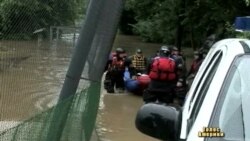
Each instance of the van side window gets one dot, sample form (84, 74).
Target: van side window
(203, 86)
(205, 72)
(231, 113)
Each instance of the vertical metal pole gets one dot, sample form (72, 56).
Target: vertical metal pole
(98, 56)
(81, 50)
(76, 67)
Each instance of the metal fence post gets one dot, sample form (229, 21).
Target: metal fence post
(76, 67)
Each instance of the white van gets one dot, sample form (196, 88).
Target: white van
(217, 106)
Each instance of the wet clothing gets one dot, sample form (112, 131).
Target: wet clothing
(117, 80)
(181, 90)
(160, 90)
(115, 72)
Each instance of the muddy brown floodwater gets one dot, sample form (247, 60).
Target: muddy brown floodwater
(116, 118)
(31, 78)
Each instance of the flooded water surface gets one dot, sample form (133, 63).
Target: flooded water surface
(116, 120)
(31, 78)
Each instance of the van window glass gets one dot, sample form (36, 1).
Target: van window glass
(231, 113)
(203, 75)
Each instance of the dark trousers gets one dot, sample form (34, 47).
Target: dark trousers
(162, 92)
(107, 82)
(117, 80)
(180, 94)
(161, 97)
(114, 79)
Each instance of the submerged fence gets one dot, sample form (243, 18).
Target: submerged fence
(33, 71)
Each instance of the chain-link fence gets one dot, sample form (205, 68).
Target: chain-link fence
(64, 34)
(39, 40)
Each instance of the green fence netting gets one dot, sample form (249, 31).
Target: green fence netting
(79, 124)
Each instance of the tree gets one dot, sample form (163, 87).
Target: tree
(194, 20)
(156, 20)
(19, 19)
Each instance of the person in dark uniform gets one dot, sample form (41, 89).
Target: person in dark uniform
(181, 86)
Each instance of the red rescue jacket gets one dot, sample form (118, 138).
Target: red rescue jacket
(163, 69)
(117, 64)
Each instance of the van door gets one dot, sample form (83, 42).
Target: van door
(231, 112)
(199, 89)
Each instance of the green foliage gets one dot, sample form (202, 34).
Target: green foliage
(245, 34)
(158, 21)
(247, 2)
(152, 23)
(20, 18)
(126, 21)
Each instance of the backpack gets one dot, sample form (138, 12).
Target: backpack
(163, 69)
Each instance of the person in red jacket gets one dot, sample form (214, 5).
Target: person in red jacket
(162, 72)
(115, 71)
(198, 59)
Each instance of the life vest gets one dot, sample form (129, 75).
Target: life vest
(117, 64)
(163, 69)
(139, 62)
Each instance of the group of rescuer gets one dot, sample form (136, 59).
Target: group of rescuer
(169, 79)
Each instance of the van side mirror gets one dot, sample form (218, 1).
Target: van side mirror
(159, 121)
